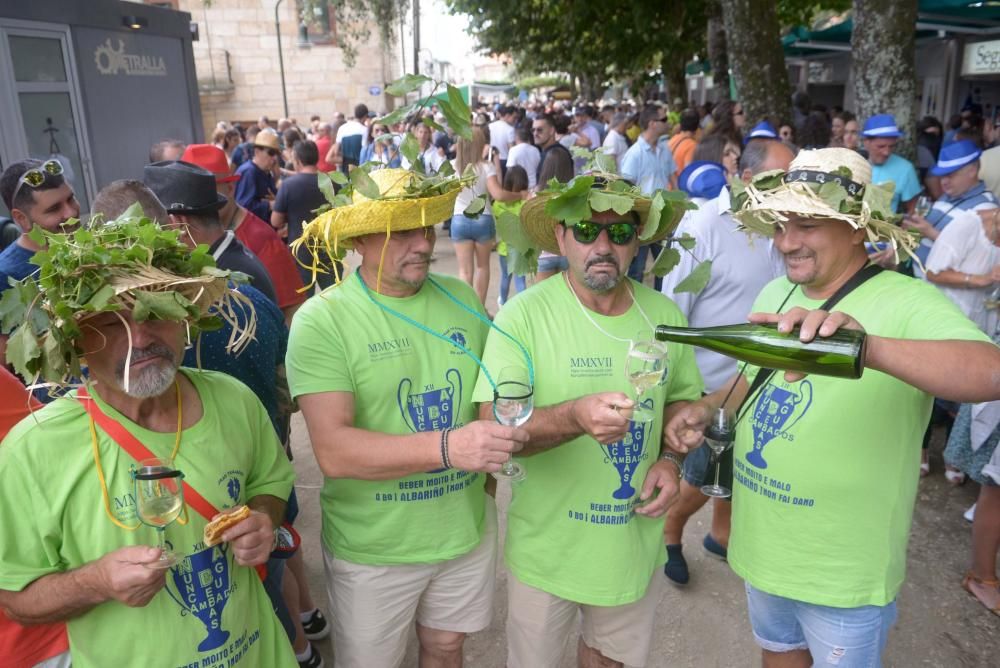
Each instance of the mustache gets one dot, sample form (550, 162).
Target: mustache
(419, 258)
(607, 258)
(149, 352)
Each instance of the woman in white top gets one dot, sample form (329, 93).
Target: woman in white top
(474, 237)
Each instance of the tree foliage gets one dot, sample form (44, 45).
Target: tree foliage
(598, 43)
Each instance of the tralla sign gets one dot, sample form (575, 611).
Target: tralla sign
(112, 60)
(981, 58)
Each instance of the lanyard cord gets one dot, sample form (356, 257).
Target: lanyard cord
(583, 310)
(100, 471)
(428, 330)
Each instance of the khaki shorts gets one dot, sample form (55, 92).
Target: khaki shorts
(373, 607)
(539, 624)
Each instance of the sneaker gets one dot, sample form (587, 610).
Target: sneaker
(316, 626)
(970, 514)
(314, 660)
(676, 568)
(714, 548)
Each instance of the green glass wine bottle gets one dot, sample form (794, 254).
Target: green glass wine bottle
(841, 355)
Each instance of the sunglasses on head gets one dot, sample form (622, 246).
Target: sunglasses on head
(36, 176)
(620, 234)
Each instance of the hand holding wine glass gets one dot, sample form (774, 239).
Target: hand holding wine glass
(159, 499)
(513, 403)
(923, 206)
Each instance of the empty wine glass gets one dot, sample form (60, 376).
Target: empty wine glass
(645, 368)
(513, 403)
(923, 206)
(719, 436)
(159, 499)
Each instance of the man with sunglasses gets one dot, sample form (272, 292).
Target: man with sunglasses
(584, 526)
(256, 189)
(35, 193)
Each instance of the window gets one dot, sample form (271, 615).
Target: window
(319, 20)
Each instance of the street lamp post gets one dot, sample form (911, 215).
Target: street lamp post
(281, 58)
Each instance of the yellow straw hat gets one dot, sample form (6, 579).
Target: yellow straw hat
(397, 210)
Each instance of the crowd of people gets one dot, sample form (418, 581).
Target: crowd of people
(400, 375)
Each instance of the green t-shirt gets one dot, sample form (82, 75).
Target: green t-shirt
(826, 469)
(212, 612)
(404, 380)
(571, 527)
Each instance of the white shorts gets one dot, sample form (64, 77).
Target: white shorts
(539, 624)
(374, 607)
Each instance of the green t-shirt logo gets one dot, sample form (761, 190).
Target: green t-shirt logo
(774, 414)
(433, 409)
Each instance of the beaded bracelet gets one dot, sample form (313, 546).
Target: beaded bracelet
(445, 461)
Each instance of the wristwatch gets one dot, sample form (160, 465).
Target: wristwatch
(668, 456)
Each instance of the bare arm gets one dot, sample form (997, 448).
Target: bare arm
(974, 366)
(685, 425)
(278, 219)
(959, 279)
(119, 576)
(497, 192)
(603, 416)
(345, 451)
(333, 155)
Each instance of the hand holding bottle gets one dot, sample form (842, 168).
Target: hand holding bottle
(811, 323)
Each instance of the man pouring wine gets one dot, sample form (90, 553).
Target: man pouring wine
(825, 468)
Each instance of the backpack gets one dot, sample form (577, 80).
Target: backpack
(9, 232)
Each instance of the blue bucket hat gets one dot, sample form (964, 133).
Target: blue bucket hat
(954, 156)
(702, 178)
(881, 125)
(762, 130)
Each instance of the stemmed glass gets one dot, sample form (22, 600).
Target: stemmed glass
(719, 436)
(923, 206)
(992, 301)
(645, 368)
(159, 499)
(513, 403)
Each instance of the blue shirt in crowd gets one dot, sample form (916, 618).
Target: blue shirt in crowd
(253, 189)
(15, 264)
(901, 172)
(647, 166)
(945, 209)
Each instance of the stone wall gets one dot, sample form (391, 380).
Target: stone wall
(236, 57)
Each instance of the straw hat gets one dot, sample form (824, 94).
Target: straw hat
(539, 223)
(265, 139)
(167, 281)
(827, 183)
(395, 211)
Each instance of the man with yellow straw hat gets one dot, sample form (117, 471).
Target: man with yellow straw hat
(76, 481)
(383, 366)
(825, 468)
(585, 526)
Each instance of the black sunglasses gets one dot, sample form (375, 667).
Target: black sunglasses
(620, 234)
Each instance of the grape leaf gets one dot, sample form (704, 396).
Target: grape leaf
(475, 207)
(510, 230)
(697, 279)
(159, 306)
(364, 184)
(603, 201)
(23, 350)
(431, 123)
(665, 263)
(410, 148)
(573, 204)
(326, 186)
(685, 241)
(398, 115)
(653, 218)
(406, 84)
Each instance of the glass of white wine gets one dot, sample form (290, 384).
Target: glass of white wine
(719, 436)
(513, 403)
(159, 499)
(923, 206)
(645, 368)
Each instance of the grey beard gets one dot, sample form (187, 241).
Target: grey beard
(151, 381)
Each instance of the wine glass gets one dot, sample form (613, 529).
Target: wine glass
(719, 436)
(992, 301)
(923, 206)
(159, 499)
(513, 402)
(645, 368)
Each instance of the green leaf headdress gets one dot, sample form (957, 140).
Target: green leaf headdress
(127, 264)
(827, 183)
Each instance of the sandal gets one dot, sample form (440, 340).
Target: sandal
(955, 477)
(969, 578)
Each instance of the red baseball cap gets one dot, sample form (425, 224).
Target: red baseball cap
(212, 158)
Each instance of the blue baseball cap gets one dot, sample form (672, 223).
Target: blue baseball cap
(702, 178)
(954, 156)
(881, 125)
(762, 130)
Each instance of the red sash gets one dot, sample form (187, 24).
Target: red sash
(130, 444)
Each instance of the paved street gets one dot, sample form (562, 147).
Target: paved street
(705, 624)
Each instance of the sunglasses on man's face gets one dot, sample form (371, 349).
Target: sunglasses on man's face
(36, 176)
(271, 152)
(620, 234)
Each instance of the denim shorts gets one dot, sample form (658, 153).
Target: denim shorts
(841, 637)
(553, 263)
(480, 229)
